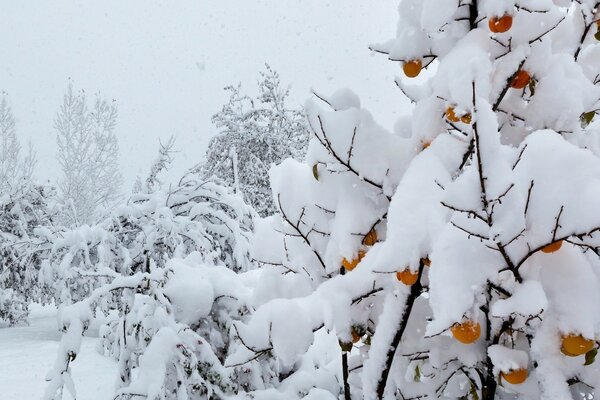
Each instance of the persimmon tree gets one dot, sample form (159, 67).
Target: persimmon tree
(332, 215)
(486, 282)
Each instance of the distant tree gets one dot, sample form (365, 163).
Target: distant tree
(14, 169)
(255, 133)
(88, 155)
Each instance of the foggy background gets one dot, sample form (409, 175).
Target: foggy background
(166, 63)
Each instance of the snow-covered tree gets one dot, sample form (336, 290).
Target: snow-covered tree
(255, 133)
(170, 333)
(486, 283)
(14, 168)
(26, 215)
(88, 155)
(332, 212)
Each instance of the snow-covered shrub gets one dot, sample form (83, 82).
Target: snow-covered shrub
(168, 321)
(196, 216)
(25, 217)
(491, 227)
(255, 133)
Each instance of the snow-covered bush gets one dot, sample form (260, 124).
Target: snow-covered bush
(255, 133)
(25, 218)
(167, 321)
(196, 216)
(488, 213)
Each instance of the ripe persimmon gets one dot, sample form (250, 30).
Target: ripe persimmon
(466, 119)
(515, 376)
(451, 115)
(412, 68)
(500, 24)
(350, 265)
(370, 238)
(466, 332)
(574, 345)
(552, 247)
(520, 80)
(407, 277)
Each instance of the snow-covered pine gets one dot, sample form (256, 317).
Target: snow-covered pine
(495, 188)
(255, 133)
(167, 320)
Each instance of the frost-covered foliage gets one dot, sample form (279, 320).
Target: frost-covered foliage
(160, 165)
(167, 320)
(486, 282)
(15, 169)
(25, 218)
(255, 133)
(88, 154)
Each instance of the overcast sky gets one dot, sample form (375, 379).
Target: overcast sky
(166, 62)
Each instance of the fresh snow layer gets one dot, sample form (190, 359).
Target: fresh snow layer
(27, 354)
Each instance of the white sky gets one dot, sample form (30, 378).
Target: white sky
(166, 62)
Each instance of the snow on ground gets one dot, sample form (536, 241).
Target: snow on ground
(27, 353)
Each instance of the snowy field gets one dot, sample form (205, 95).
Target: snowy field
(27, 354)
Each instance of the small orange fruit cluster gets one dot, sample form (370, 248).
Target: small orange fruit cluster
(452, 117)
